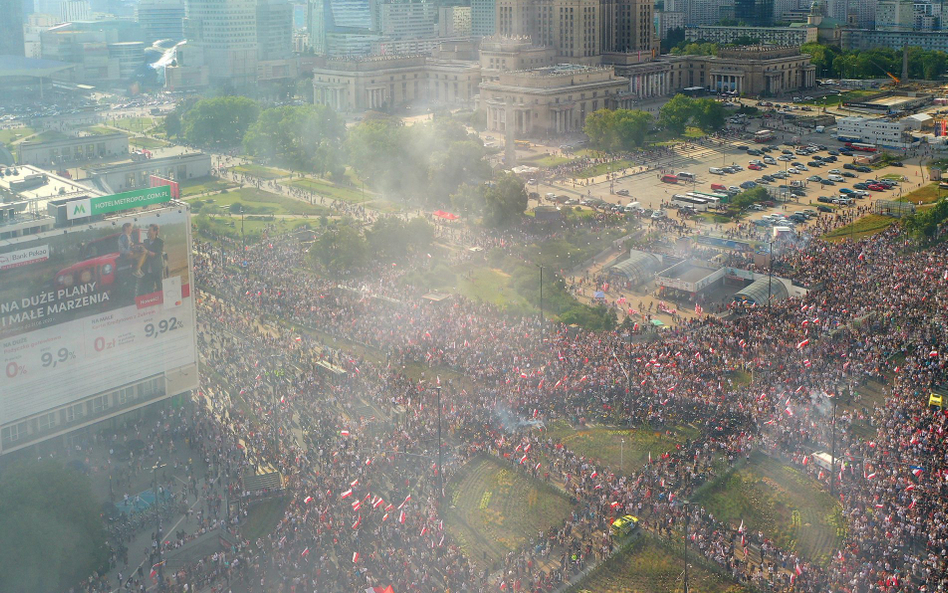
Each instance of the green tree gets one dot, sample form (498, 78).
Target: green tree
(219, 121)
(341, 249)
(821, 56)
(708, 114)
(51, 533)
(600, 128)
(676, 113)
(672, 38)
(632, 126)
(303, 137)
(172, 124)
(505, 200)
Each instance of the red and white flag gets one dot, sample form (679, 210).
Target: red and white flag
(355, 557)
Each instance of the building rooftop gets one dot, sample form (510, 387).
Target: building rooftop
(54, 188)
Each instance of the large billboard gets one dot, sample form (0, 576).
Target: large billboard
(91, 308)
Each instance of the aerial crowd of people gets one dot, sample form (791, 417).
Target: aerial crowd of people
(317, 379)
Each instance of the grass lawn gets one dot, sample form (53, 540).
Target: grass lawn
(495, 509)
(866, 226)
(648, 567)
(261, 172)
(490, 285)
(262, 518)
(253, 229)
(193, 187)
(547, 160)
(135, 124)
(147, 143)
(604, 444)
(927, 194)
(603, 168)
(782, 502)
(99, 131)
(8, 137)
(49, 136)
(892, 176)
(335, 192)
(256, 201)
(833, 100)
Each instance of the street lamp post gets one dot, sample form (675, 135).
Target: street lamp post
(622, 454)
(833, 453)
(541, 293)
(686, 506)
(440, 452)
(158, 535)
(770, 277)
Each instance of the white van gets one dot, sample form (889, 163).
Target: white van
(633, 207)
(716, 170)
(836, 178)
(687, 176)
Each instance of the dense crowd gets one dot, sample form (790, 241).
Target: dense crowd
(356, 435)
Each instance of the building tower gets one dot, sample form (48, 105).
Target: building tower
(11, 28)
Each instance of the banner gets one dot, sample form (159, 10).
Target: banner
(87, 207)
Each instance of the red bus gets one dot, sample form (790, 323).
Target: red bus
(861, 147)
(670, 178)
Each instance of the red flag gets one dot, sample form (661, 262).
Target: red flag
(355, 557)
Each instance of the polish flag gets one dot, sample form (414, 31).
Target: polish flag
(742, 344)
(424, 530)
(354, 483)
(613, 504)
(357, 505)
(870, 476)
(806, 363)
(912, 504)
(357, 523)
(385, 517)
(917, 471)
(378, 503)
(594, 474)
(910, 487)
(305, 553)
(347, 494)
(523, 460)
(355, 557)
(789, 411)
(806, 460)
(401, 517)
(308, 500)
(933, 353)
(797, 569)
(344, 433)
(404, 502)
(537, 468)
(803, 344)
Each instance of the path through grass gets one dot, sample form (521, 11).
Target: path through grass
(866, 226)
(648, 567)
(495, 509)
(787, 505)
(604, 445)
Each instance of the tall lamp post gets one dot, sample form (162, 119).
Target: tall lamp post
(440, 451)
(541, 292)
(687, 506)
(158, 535)
(833, 449)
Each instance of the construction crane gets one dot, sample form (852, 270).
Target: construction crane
(894, 78)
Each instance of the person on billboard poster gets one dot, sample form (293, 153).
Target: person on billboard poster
(152, 268)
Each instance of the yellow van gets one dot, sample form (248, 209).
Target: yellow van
(624, 526)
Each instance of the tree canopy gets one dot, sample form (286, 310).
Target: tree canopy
(221, 120)
(832, 62)
(707, 114)
(424, 163)
(305, 137)
(51, 533)
(505, 200)
(619, 129)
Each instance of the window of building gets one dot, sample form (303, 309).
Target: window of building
(14, 433)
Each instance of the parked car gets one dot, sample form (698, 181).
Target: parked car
(816, 178)
(850, 166)
(823, 208)
(622, 192)
(864, 169)
(827, 182)
(848, 174)
(748, 185)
